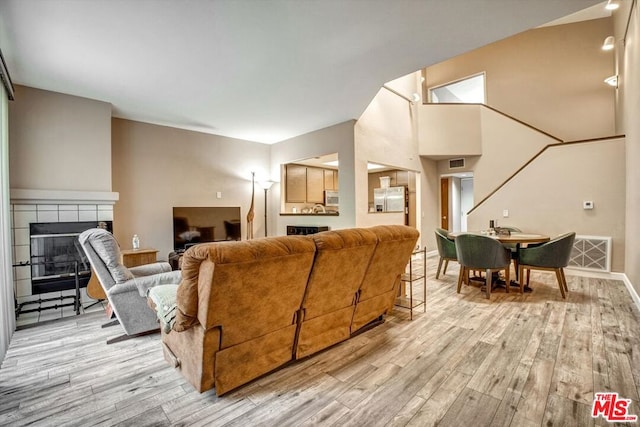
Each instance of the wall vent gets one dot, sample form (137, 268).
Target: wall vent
(591, 253)
(456, 163)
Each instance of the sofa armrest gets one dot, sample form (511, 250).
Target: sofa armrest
(163, 300)
(149, 269)
(142, 284)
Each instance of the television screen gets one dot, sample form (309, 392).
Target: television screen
(193, 225)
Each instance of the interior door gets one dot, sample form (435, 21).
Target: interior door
(444, 203)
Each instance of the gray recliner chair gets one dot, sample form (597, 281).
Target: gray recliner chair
(126, 288)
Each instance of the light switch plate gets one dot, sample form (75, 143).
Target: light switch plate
(587, 204)
(505, 213)
(219, 195)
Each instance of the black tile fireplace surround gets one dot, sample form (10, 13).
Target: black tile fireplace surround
(54, 253)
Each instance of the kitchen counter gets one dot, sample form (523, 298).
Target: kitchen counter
(309, 214)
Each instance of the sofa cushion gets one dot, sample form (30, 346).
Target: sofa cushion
(250, 287)
(108, 250)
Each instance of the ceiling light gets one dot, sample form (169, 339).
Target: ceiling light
(373, 166)
(612, 81)
(609, 43)
(612, 5)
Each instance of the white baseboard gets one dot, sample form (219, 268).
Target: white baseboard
(631, 289)
(612, 276)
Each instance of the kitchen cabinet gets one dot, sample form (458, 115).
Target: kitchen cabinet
(330, 179)
(296, 181)
(306, 184)
(402, 178)
(315, 185)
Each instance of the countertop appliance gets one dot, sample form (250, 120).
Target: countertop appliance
(305, 229)
(331, 198)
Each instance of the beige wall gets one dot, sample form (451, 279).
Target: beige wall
(547, 196)
(630, 86)
(449, 130)
(386, 133)
(156, 168)
(59, 142)
(505, 144)
(550, 77)
(430, 215)
(333, 139)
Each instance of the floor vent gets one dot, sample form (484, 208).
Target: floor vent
(591, 253)
(456, 163)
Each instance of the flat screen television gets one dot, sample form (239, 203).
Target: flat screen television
(193, 225)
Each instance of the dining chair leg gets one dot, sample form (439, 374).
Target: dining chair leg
(560, 284)
(564, 280)
(460, 277)
(507, 277)
(521, 274)
(439, 267)
(446, 264)
(488, 283)
(528, 275)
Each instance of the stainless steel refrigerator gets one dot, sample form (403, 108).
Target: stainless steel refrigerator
(391, 199)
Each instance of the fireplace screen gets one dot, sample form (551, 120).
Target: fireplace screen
(56, 253)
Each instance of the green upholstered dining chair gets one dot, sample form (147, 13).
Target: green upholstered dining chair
(477, 252)
(553, 255)
(446, 250)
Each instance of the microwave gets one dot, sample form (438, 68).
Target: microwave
(331, 198)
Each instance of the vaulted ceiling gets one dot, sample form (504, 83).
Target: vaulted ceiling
(260, 70)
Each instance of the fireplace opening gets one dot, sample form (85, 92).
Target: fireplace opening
(56, 255)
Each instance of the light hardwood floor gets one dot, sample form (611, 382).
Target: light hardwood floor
(532, 360)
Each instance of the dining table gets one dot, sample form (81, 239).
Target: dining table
(512, 238)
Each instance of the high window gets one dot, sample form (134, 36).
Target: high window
(470, 90)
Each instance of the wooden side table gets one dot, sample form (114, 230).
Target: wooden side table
(135, 257)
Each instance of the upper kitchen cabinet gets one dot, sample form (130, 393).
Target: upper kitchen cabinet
(306, 184)
(315, 185)
(296, 183)
(330, 179)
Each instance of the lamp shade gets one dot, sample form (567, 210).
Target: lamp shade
(609, 43)
(266, 184)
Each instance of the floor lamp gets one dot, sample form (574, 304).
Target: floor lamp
(266, 185)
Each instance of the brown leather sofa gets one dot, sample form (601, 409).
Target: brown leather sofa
(246, 308)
